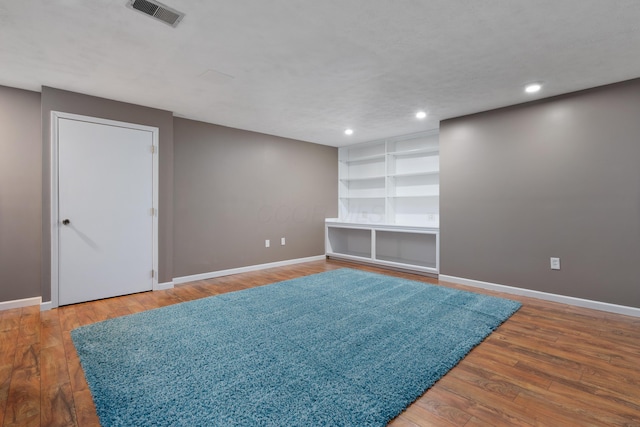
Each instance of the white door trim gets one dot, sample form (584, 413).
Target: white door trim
(55, 188)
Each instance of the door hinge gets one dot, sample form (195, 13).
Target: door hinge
(153, 211)
(153, 149)
(153, 273)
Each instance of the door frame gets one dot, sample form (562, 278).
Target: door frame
(55, 191)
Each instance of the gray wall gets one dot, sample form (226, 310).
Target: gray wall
(20, 194)
(70, 102)
(559, 177)
(234, 189)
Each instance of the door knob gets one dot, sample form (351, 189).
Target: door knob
(66, 221)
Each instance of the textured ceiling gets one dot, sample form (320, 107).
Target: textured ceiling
(309, 69)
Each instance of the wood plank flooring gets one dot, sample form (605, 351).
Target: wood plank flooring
(548, 365)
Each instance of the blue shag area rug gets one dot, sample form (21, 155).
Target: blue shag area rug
(341, 348)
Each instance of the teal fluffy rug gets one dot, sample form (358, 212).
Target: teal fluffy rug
(341, 348)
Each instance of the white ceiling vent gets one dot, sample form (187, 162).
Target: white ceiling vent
(157, 10)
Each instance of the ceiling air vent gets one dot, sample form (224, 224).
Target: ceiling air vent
(157, 10)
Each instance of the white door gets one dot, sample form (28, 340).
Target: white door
(105, 200)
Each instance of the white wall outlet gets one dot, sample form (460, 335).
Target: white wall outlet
(555, 263)
(282, 241)
(267, 243)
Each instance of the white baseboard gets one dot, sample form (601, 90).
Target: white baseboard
(18, 303)
(211, 275)
(7, 305)
(579, 302)
(163, 286)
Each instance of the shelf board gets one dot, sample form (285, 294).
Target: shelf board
(353, 254)
(366, 158)
(368, 178)
(380, 226)
(417, 196)
(362, 197)
(408, 175)
(414, 152)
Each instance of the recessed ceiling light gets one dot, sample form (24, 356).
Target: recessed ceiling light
(348, 132)
(533, 88)
(421, 114)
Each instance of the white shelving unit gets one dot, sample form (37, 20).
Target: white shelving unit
(412, 248)
(362, 174)
(394, 182)
(389, 203)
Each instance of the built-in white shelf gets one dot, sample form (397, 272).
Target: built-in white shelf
(362, 197)
(395, 181)
(389, 203)
(413, 197)
(405, 175)
(369, 178)
(397, 246)
(421, 151)
(365, 158)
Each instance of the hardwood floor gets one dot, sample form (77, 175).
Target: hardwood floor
(548, 365)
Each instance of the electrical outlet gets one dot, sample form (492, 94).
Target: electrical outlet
(267, 243)
(282, 241)
(555, 263)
